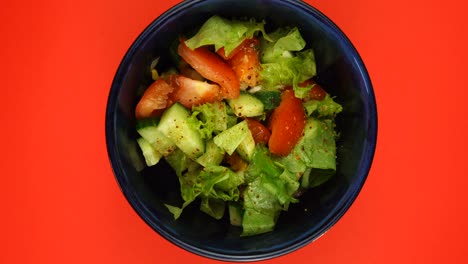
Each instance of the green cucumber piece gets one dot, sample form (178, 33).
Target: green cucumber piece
(246, 105)
(148, 129)
(175, 125)
(270, 99)
(152, 156)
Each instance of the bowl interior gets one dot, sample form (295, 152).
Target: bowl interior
(340, 71)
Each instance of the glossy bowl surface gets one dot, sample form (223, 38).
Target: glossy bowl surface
(340, 70)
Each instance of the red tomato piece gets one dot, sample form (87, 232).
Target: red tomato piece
(316, 92)
(213, 68)
(246, 63)
(154, 99)
(260, 133)
(187, 71)
(191, 92)
(287, 124)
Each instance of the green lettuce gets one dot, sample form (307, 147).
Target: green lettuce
(261, 209)
(285, 62)
(316, 177)
(226, 33)
(317, 147)
(283, 42)
(213, 207)
(323, 108)
(290, 71)
(178, 161)
(209, 118)
(214, 184)
(270, 190)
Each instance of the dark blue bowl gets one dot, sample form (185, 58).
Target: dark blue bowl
(340, 70)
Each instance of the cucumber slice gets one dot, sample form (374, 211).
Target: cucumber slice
(175, 125)
(270, 99)
(148, 129)
(246, 105)
(152, 156)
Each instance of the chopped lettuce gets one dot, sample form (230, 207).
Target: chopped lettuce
(213, 155)
(315, 177)
(209, 118)
(178, 161)
(261, 164)
(261, 209)
(213, 207)
(270, 189)
(285, 62)
(220, 182)
(323, 108)
(317, 149)
(216, 183)
(222, 32)
(290, 71)
(284, 41)
(232, 137)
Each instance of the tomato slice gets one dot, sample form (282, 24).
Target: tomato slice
(316, 93)
(187, 71)
(154, 99)
(287, 124)
(213, 68)
(260, 133)
(191, 92)
(245, 62)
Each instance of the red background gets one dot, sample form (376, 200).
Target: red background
(61, 204)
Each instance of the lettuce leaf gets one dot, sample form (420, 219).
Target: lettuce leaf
(261, 209)
(220, 182)
(209, 118)
(213, 207)
(323, 108)
(214, 184)
(317, 147)
(270, 190)
(226, 33)
(285, 62)
(284, 41)
(290, 71)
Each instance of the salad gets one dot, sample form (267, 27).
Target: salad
(241, 121)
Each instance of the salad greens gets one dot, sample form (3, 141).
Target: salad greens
(224, 33)
(259, 185)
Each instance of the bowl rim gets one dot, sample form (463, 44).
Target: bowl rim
(331, 220)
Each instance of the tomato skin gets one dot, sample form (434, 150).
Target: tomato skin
(154, 99)
(190, 92)
(260, 133)
(213, 68)
(187, 71)
(316, 93)
(287, 124)
(245, 62)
